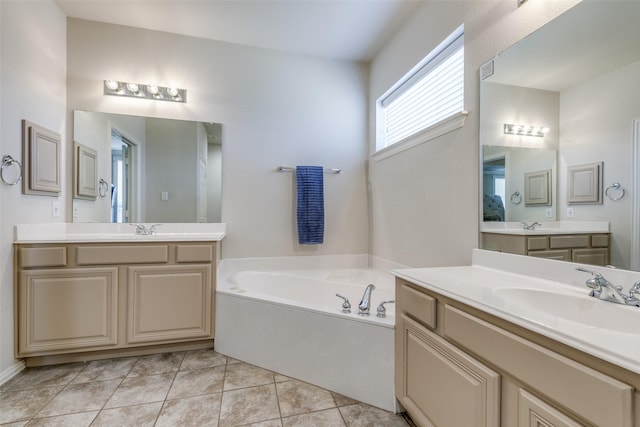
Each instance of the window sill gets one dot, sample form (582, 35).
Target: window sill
(453, 122)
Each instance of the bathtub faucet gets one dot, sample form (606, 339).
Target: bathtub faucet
(365, 303)
(346, 305)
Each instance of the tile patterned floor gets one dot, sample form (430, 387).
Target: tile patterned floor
(195, 388)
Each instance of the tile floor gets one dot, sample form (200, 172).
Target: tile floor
(193, 388)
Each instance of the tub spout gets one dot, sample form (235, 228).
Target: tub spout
(365, 303)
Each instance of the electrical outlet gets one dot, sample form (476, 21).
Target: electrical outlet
(570, 213)
(55, 209)
(164, 195)
(75, 211)
(548, 213)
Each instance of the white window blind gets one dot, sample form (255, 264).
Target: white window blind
(430, 94)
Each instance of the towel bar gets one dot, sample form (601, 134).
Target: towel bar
(291, 169)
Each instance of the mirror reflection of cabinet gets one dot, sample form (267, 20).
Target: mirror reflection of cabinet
(85, 172)
(579, 80)
(593, 248)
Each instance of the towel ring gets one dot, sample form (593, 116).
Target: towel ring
(615, 191)
(516, 198)
(103, 187)
(7, 161)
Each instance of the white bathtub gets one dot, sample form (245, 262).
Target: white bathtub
(282, 314)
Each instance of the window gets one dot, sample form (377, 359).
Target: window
(425, 103)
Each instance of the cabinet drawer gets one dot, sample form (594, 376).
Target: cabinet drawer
(194, 253)
(417, 304)
(541, 368)
(561, 242)
(121, 254)
(600, 241)
(561, 254)
(42, 257)
(537, 243)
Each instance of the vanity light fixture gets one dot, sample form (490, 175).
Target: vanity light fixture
(525, 130)
(145, 91)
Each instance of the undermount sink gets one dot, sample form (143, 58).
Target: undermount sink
(547, 307)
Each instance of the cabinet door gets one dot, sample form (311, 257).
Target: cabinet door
(595, 256)
(67, 309)
(533, 412)
(169, 303)
(440, 385)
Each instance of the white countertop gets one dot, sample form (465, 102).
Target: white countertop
(104, 232)
(546, 227)
(564, 311)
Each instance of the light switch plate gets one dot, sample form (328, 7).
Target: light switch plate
(55, 209)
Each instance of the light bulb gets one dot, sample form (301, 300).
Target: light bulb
(133, 87)
(173, 92)
(112, 84)
(153, 89)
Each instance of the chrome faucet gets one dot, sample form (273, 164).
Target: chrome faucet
(531, 226)
(604, 290)
(365, 303)
(143, 230)
(346, 305)
(382, 310)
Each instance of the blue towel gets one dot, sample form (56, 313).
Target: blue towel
(310, 182)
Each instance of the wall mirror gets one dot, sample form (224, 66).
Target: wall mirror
(151, 169)
(577, 78)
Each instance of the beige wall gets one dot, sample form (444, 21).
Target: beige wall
(275, 108)
(602, 131)
(424, 201)
(33, 86)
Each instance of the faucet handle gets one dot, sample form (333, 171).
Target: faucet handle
(152, 228)
(595, 274)
(140, 228)
(634, 292)
(382, 310)
(584, 270)
(346, 305)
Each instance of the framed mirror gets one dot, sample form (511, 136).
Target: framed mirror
(153, 169)
(576, 78)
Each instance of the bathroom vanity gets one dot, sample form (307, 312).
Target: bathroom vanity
(587, 244)
(488, 345)
(80, 295)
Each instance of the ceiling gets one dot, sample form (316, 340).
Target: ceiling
(571, 49)
(351, 30)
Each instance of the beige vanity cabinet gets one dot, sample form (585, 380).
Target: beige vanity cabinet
(102, 297)
(588, 248)
(459, 366)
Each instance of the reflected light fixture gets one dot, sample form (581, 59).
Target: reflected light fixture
(525, 130)
(145, 91)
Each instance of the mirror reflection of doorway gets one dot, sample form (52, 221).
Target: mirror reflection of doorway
(120, 178)
(494, 189)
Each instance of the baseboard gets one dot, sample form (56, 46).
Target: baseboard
(11, 371)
